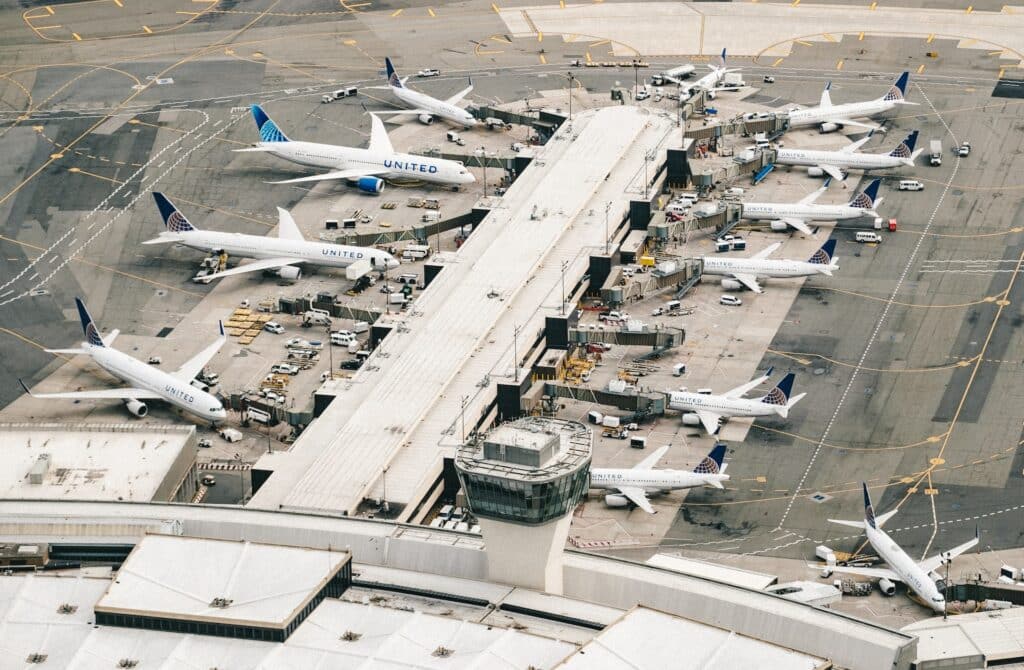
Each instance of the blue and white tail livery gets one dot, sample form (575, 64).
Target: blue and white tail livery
(898, 90)
(905, 148)
(269, 132)
(823, 256)
(92, 334)
(712, 463)
(393, 78)
(780, 394)
(868, 198)
(174, 220)
(869, 509)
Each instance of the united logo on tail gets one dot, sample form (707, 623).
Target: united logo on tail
(92, 335)
(780, 394)
(712, 463)
(866, 199)
(393, 78)
(897, 90)
(177, 223)
(823, 256)
(869, 509)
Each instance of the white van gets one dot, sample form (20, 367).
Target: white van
(679, 208)
(259, 415)
(910, 185)
(343, 338)
(431, 217)
(868, 236)
(415, 252)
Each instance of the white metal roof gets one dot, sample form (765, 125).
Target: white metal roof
(383, 637)
(708, 570)
(179, 577)
(646, 639)
(89, 462)
(458, 338)
(997, 635)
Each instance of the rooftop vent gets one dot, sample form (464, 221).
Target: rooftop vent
(67, 608)
(36, 658)
(221, 602)
(127, 663)
(39, 469)
(350, 636)
(443, 652)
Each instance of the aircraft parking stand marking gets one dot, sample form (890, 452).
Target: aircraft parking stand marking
(878, 326)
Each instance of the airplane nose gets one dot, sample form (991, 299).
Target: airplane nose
(392, 263)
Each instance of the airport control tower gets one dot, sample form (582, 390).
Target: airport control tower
(522, 481)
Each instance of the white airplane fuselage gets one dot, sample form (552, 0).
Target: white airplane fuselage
(909, 572)
(399, 166)
(759, 267)
(137, 374)
(840, 159)
(851, 110)
(651, 481)
(685, 401)
(439, 108)
(709, 81)
(254, 246)
(772, 211)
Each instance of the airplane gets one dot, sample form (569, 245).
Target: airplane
(797, 214)
(281, 253)
(362, 167)
(738, 273)
(710, 82)
(145, 381)
(829, 117)
(425, 107)
(708, 409)
(833, 163)
(634, 484)
(919, 576)
(674, 75)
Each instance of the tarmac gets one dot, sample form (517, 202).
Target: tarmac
(911, 355)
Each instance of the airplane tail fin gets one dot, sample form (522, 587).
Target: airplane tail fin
(174, 220)
(868, 198)
(712, 463)
(393, 78)
(898, 90)
(905, 148)
(869, 509)
(269, 131)
(826, 98)
(92, 333)
(779, 396)
(823, 256)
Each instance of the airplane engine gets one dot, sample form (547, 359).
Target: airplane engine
(886, 587)
(690, 419)
(711, 95)
(829, 127)
(731, 285)
(370, 184)
(616, 500)
(426, 119)
(815, 172)
(290, 273)
(779, 226)
(137, 408)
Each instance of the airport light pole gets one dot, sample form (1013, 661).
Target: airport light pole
(515, 351)
(571, 80)
(482, 161)
(607, 208)
(636, 77)
(330, 350)
(462, 415)
(565, 265)
(945, 589)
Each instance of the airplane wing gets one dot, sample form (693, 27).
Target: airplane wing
(799, 224)
(750, 281)
(832, 171)
(935, 561)
(742, 389)
(286, 226)
(262, 264)
(637, 497)
(652, 460)
(877, 573)
(853, 146)
(767, 251)
(101, 394)
(457, 98)
(710, 421)
(337, 174)
(379, 140)
(194, 365)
